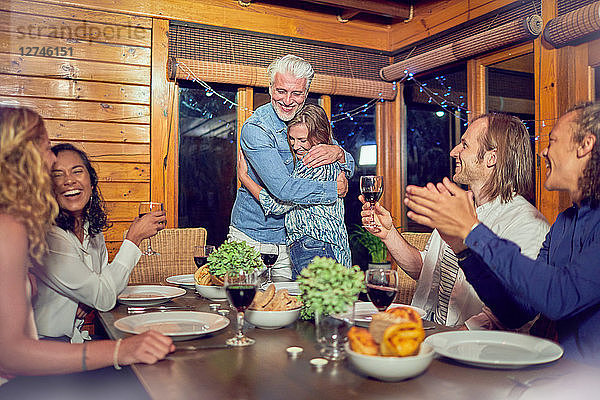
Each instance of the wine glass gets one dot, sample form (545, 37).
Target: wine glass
(145, 208)
(240, 287)
(382, 286)
(371, 187)
(269, 255)
(201, 254)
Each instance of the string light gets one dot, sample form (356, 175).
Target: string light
(209, 91)
(443, 101)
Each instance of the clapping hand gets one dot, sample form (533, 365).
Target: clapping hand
(445, 207)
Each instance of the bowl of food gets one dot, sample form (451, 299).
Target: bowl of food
(205, 286)
(387, 368)
(273, 309)
(392, 348)
(215, 293)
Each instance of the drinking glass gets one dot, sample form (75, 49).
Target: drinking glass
(371, 187)
(269, 255)
(201, 253)
(145, 208)
(382, 286)
(240, 287)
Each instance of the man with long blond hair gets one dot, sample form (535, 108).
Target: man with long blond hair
(563, 282)
(494, 159)
(27, 211)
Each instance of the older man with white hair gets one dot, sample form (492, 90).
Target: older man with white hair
(265, 146)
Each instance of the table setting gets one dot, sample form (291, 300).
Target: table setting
(245, 329)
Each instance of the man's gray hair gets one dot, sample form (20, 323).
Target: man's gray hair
(298, 67)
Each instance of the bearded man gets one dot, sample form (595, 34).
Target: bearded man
(494, 159)
(264, 144)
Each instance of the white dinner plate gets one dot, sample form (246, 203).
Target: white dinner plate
(363, 310)
(494, 349)
(149, 295)
(179, 325)
(187, 280)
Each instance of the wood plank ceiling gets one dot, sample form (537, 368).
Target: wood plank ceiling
(380, 11)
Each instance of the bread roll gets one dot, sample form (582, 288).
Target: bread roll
(362, 342)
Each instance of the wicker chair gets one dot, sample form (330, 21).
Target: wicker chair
(176, 248)
(406, 284)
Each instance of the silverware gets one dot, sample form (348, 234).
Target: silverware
(136, 310)
(203, 347)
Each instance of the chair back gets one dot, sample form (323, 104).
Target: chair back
(406, 284)
(176, 248)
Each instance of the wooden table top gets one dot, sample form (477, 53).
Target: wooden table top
(264, 371)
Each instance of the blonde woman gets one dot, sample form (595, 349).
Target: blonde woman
(27, 210)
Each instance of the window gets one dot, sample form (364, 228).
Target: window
(354, 129)
(436, 119)
(207, 150)
(510, 89)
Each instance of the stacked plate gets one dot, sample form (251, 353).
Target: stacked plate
(148, 295)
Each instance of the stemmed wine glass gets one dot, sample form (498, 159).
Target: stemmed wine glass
(145, 208)
(269, 255)
(371, 187)
(201, 254)
(240, 287)
(382, 286)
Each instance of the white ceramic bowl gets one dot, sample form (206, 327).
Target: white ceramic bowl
(392, 368)
(271, 319)
(216, 293)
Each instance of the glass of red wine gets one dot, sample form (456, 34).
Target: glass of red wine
(240, 287)
(269, 255)
(371, 187)
(201, 254)
(382, 286)
(145, 208)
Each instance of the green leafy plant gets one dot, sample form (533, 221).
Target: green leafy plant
(328, 287)
(233, 256)
(372, 243)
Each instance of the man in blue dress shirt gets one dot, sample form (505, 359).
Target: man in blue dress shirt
(265, 146)
(563, 283)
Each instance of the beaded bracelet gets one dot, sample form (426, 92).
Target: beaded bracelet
(83, 354)
(116, 355)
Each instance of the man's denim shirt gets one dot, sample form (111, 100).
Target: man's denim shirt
(264, 142)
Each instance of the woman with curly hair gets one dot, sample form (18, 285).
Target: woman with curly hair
(76, 276)
(27, 210)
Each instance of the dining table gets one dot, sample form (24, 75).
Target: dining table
(265, 370)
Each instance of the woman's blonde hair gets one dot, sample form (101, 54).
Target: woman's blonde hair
(25, 186)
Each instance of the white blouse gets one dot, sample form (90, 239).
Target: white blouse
(75, 272)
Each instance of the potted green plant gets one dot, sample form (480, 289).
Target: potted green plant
(328, 291)
(232, 256)
(374, 245)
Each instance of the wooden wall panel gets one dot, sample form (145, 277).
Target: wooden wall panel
(12, 42)
(123, 171)
(73, 69)
(40, 24)
(105, 131)
(95, 95)
(259, 17)
(86, 110)
(52, 88)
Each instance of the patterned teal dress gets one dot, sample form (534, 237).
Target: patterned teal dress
(323, 222)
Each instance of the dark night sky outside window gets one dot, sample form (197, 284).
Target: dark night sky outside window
(351, 134)
(207, 152)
